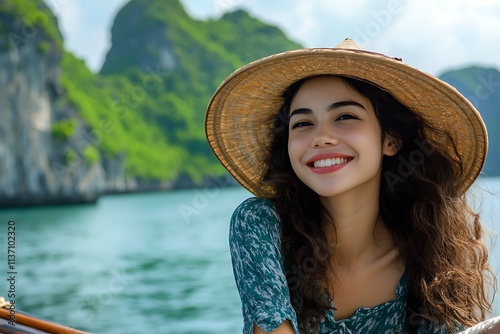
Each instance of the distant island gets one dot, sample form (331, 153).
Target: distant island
(69, 135)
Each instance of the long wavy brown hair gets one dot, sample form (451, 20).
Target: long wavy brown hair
(437, 231)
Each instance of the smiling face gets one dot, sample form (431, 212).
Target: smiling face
(335, 142)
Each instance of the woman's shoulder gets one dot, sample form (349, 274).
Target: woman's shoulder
(255, 215)
(255, 208)
(256, 202)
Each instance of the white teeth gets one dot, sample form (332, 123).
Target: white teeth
(329, 162)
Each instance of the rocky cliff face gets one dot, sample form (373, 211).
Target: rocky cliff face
(34, 168)
(68, 135)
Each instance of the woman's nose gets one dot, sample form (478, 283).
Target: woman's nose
(324, 136)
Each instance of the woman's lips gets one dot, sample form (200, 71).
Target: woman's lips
(328, 163)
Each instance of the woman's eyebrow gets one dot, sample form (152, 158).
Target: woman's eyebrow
(335, 105)
(341, 104)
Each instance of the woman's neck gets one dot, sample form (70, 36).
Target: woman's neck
(359, 236)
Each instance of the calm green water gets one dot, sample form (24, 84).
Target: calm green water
(141, 263)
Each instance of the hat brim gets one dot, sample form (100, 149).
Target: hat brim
(238, 117)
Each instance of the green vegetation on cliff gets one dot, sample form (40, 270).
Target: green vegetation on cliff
(34, 16)
(111, 108)
(148, 102)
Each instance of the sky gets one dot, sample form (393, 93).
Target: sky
(432, 35)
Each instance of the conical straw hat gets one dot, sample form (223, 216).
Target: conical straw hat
(238, 121)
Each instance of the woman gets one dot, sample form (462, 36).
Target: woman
(360, 165)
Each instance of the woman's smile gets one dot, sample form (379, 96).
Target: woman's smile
(327, 163)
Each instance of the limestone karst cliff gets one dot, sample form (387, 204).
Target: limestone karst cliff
(33, 166)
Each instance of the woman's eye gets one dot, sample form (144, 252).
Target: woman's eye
(345, 117)
(300, 124)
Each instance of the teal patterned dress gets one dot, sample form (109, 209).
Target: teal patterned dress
(255, 246)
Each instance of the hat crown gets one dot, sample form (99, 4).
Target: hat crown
(348, 44)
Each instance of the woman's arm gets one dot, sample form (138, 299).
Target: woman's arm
(284, 328)
(255, 246)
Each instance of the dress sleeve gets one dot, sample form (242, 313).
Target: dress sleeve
(255, 246)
